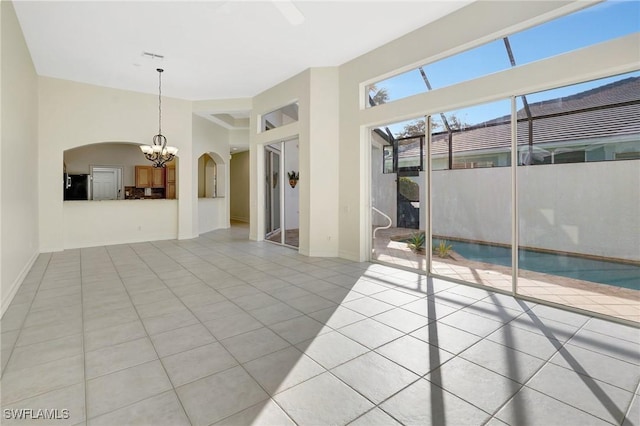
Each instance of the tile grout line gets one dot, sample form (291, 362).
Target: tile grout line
(326, 369)
(24, 320)
(634, 398)
(546, 363)
(147, 336)
(239, 364)
(40, 364)
(84, 353)
(253, 266)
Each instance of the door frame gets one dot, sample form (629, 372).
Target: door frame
(119, 172)
(270, 152)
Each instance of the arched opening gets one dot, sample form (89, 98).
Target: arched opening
(115, 171)
(211, 176)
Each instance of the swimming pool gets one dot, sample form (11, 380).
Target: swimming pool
(611, 273)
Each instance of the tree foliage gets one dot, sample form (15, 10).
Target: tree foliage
(418, 127)
(378, 96)
(414, 128)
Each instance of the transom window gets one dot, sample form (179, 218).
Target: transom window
(595, 24)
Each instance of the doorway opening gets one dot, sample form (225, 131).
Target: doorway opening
(106, 182)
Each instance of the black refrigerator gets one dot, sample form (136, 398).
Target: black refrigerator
(77, 187)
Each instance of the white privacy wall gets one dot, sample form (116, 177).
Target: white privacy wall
(591, 208)
(587, 208)
(383, 190)
(473, 204)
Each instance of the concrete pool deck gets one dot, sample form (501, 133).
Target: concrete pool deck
(603, 299)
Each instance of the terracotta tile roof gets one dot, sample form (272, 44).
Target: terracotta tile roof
(621, 119)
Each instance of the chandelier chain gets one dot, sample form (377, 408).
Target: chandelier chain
(159, 153)
(159, 101)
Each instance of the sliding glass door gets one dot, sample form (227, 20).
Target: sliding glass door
(552, 175)
(281, 193)
(470, 186)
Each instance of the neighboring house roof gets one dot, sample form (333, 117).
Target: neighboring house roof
(622, 118)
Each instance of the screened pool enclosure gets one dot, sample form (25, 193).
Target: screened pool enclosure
(537, 195)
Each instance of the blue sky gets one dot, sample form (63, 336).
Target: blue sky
(605, 21)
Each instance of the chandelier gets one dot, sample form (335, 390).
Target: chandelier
(159, 153)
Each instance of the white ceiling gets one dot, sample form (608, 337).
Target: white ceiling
(211, 49)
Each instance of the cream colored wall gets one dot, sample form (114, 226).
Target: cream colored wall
(316, 91)
(211, 214)
(19, 153)
(239, 187)
(324, 174)
(210, 138)
(609, 58)
(97, 223)
(287, 92)
(202, 160)
(75, 114)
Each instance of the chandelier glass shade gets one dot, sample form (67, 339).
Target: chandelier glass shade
(159, 153)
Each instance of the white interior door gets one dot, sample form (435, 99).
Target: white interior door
(106, 183)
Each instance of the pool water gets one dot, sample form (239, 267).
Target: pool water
(611, 273)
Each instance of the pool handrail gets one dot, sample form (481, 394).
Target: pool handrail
(381, 227)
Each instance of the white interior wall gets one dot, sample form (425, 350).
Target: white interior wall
(289, 91)
(19, 157)
(210, 138)
(96, 223)
(316, 91)
(212, 214)
(616, 56)
(323, 162)
(75, 114)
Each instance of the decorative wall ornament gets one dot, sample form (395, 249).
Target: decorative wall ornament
(293, 178)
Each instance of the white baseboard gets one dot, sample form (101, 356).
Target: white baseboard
(15, 285)
(240, 219)
(348, 255)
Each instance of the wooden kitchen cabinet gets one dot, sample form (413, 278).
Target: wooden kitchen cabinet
(170, 184)
(157, 180)
(149, 177)
(143, 177)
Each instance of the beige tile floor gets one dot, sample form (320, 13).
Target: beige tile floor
(603, 299)
(220, 330)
